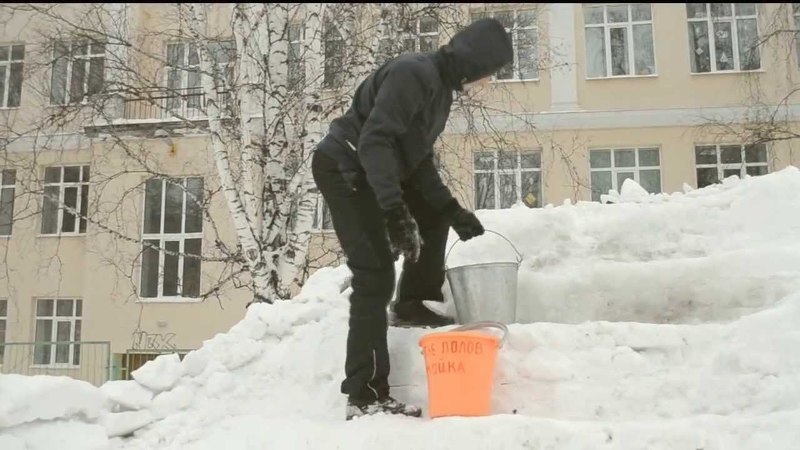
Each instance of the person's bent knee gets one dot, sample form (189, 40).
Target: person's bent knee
(372, 289)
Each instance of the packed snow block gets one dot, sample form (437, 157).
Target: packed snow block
(160, 374)
(58, 434)
(128, 394)
(249, 328)
(125, 423)
(26, 399)
(633, 192)
(240, 353)
(219, 383)
(195, 362)
(170, 402)
(8, 442)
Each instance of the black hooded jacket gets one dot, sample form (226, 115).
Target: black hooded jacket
(386, 137)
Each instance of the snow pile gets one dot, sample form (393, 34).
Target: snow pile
(662, 322)
(680, 258)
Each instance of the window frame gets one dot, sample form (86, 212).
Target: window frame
(7, 80)
(709, 21)
(5, 186)
(614, 170)
(514, 32)
(62, 187)
(794, 12)
(416, 35)
(631, 50)
(163, 237)
(71, 59)
(321, 211)
(4, 328)
(182, 99)
(335, 80)
(722, 167)
(75, 331)
(496, 172)
(300, 60)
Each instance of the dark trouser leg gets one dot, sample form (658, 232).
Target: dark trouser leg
(359, 226)
(423, 280)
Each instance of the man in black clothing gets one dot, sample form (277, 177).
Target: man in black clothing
(375, 171)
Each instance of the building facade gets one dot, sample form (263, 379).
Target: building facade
(669, 95)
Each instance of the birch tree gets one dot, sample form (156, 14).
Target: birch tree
(256, 82)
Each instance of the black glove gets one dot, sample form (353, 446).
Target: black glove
(403, 233)
(464, 222)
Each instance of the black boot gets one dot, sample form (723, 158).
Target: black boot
(416, 314)
(387, 405)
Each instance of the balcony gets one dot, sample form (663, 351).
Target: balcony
(163, 108)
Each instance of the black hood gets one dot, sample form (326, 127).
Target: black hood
(477, 51)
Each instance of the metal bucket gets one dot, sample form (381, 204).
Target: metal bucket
(486, 291)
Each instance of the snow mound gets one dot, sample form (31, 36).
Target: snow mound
(659, 322)
(26, 399)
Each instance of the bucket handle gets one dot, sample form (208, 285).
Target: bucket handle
(519, 255)
(486, 324)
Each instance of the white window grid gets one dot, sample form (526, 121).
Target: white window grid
(615, 171)
(82, 184)
(95, 50)
(496, 171)
(163, 237)
(721, 167)
(74, 321)
(333, 76)
(3, 325)
(296, 67)
(514, 32)
(412, 40)
(732, 19)
(628, 26)
(14, 59)
(7, 189)
(322, 216)
(796, 22)
(188, 66)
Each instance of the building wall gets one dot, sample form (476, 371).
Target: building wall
(562, 114)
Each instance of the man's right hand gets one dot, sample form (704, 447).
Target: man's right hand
(464, 222)
(403, 232)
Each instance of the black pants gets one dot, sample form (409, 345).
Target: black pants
(360, 228)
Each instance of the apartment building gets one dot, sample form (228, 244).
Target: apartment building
(669, 95)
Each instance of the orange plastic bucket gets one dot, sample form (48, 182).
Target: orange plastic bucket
(460, 367)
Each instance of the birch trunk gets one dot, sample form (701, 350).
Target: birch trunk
(293, 258)
(259, 268)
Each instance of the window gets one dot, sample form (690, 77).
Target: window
(611, 167)
(3, 319)
(77, 71)
(58, 329)
(417, 34)
(66, 193)
(297, 70)
(796, 16)
(173, 229)
(717, 162)
(322, 216)
(334, 73)
(11, 62)
(183, 72)
(723, 37)
(619, 40)
(521, 25)
(7, 179)
(503, 179)
(183, 76)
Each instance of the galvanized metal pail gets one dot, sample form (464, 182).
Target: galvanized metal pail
(486, 291)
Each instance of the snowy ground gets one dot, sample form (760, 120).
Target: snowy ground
(662, 322)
